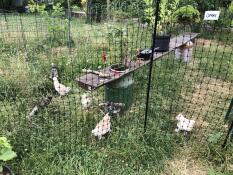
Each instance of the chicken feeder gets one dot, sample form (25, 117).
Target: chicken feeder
(120, 91)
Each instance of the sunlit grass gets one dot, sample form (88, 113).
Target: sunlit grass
(58, 139)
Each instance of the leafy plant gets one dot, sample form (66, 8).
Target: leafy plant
(230, 13)
(214, 138)
(165, 13)
(57, 10)
(57, 27)
(120, 14)
(230, 9)
(6, 152)
(226, 17)
(84, 4)
(187, 15)
(35, 7)
(214, 172)
(117, 38)
(127, 8)
(75, 8)
(149, 11)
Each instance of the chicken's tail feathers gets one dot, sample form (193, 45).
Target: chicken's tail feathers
(68, 89)
(94, 131)
(34, 110)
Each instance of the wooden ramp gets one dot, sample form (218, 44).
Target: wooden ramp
(91, 81)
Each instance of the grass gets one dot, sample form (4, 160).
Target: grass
(58, 140)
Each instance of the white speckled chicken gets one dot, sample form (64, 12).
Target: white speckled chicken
(184, 124)
(112, 108)
(103, 127)
(60, 88)
(86, 100)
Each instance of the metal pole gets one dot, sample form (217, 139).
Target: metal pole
(151, 63)
(230, 131)
(69, 18)
(89, 12)
(23, 37)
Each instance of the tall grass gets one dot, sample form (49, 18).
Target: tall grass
(58, 139)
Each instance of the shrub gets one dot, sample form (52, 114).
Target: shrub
(132, 8)
(57, 26)
(165, 13)
(120, 14)
(187, 15)
(76, 8)
(226, 17)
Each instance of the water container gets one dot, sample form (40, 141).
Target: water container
(120, 91)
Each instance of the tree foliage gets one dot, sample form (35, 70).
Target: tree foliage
(187, 14)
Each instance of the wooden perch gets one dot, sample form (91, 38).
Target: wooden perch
(100, 74)
(95, 79)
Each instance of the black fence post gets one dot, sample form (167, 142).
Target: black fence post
(69, 19)
(227, 117)
(157, 2)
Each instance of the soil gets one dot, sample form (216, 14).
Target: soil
(185, 164)
(5, 174)
(119, 67)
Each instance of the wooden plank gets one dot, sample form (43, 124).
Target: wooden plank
(91, 81)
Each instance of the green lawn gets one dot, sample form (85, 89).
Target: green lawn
(58, 140)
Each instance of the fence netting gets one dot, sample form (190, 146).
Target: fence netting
(81, 81)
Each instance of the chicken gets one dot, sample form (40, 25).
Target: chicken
(33, 112)
(60, 88)
(54, 71)
(86, 100)
(184, 124)
(112, 108)
(43, 103)
(103, 127)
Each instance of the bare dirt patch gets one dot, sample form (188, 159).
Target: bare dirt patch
(59, 51)
(209, 42)
(185, 164)
(204, 42)
(206, 103)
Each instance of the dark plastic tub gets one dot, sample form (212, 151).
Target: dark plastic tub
(145, 54)
(121, 91)
(162, 43)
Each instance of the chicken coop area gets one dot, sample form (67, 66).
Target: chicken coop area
(94, 90)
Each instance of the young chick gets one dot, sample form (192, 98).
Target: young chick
(103, 127)
(112, 108)
(33, 112)
(184, 124)
(60, 88)
(43, 103)
(86, 100)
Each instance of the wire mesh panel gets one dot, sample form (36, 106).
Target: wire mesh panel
(112, 85)
(195, 80)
